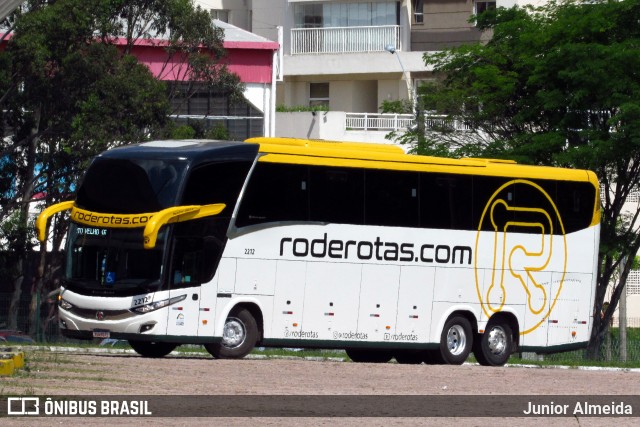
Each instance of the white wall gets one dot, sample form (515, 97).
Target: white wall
(328, 126)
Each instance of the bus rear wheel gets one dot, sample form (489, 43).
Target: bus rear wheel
(367, 355)
(152, 349)
(456, 341)
(493, 348)
(239, 336)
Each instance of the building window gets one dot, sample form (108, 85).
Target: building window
(220, 15)
(418, 11)
(331, 15)
(318, 94)
(633, 282)
(481, 6)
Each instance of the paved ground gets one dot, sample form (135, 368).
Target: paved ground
(84, 374)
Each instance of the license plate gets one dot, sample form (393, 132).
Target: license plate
(101, 334)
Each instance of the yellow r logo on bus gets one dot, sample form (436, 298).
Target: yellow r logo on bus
(518, 265)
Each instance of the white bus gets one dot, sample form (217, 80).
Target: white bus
(308, 244)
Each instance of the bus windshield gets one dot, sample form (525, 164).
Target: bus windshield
(125, 186)
(103, 261)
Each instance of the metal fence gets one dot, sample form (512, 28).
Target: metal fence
(344, 39)
(401, 122)
(373, 121)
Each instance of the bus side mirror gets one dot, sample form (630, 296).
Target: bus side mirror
(176, 214)
(43, 218)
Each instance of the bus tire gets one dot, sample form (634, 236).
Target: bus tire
(239, 336)
(368, 355)
(456, 341)
(152, 349)
(409, 357)
(493, 348)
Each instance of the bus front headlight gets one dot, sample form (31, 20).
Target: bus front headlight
(158, 304)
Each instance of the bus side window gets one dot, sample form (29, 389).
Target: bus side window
(391, 198)
(575, 204)
(336, 195)
(187, 259)
(276, 192)
(194, 260)
(216, 183)
(484, 192)
(446, 201)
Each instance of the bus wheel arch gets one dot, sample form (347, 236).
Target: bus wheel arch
(498, 341)
(456, 339)
(241, 332)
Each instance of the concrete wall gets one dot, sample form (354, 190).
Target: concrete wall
(358, 96)
(239, 11)
(328, 126)
(445, 25)
(295, 93)
(268, 14)
(354, 96)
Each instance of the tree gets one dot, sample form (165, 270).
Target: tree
(70, 88)
(556, 85)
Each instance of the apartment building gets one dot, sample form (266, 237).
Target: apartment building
(333, 52)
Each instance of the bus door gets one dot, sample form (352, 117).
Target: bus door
(185, 278)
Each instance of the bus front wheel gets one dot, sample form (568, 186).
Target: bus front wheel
(239, 336)
(152, 349)
(493, 348)
(456, 341)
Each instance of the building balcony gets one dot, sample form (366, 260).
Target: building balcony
(378, 122)
(312, 41)
(401, 122)
(359, 127)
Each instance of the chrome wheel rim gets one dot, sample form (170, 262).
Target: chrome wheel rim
(456, 340)
(497, 340)
(234, 333)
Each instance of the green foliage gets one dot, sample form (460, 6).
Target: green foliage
(68, 91)
(195, 129)
(399, 106)
(301, 108)
(183, 132)
(219, 131)
(556, 85)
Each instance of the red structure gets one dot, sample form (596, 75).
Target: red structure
(251, 57)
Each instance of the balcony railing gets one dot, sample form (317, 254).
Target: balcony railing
(343, 39)
(385, 122)
(443, 122)
(399, 122)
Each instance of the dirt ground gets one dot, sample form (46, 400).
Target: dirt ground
(127, 374)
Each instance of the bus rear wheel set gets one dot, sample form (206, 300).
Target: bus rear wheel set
(457, 341)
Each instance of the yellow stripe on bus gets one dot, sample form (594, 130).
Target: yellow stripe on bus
(389, 157)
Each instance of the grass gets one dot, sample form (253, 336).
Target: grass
(301, 353)
(569, 359)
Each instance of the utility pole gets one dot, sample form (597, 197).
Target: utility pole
(622, 312)
(416, 103)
